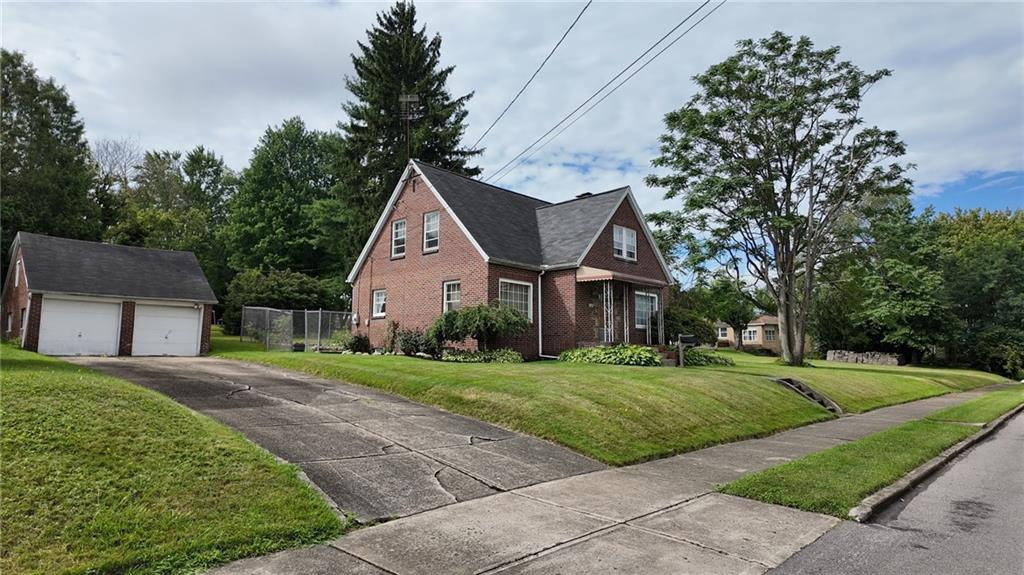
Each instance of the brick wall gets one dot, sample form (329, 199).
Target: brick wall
(15, 298)
(30, 341)
(124, 344)
(414, 282)
(601, 254)
(204, 342)
(559, 302)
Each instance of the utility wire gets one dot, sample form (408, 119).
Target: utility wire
(612, 91)
(537, 71)
(599, 90)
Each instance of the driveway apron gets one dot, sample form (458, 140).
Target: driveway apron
(372, 454)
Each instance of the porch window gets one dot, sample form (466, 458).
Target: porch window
(749, 335)
(624, 243)
(517, 295)
(431, 231)
(380, 302)
(646, 307)
(452, 295)
(723, 333)
(397, 238)
(769, 334)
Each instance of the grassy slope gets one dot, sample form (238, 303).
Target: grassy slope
(858, 387)
(836, 480)
(616, 414)
(99, 474)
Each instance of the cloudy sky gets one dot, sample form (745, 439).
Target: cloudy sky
(176, 75)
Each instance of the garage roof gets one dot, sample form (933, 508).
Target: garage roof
(61, 265)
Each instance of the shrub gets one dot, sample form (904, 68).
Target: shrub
(390, 337)
(445, 328)
(414, 341)
(483, 356)
(622, 354)
(359, 343)
(696, 357)
(484, 323)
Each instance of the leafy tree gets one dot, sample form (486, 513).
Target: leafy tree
(686, 313)
(45, 170)
(116, 162)
(731, 305)
(278, 289)
(269, 224)
(769, 159)
(398, 57)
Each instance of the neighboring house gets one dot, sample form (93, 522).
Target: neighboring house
(584, 271)
(761, 333)
(71, 297)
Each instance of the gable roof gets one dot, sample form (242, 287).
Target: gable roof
(61, 265)
(511, 228)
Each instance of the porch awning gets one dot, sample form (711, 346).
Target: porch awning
(589, 274)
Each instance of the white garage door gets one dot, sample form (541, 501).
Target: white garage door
(166, 330)
(76, 327)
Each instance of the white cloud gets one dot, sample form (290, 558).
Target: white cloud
(179, 75)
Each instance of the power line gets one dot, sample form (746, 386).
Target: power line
(610, 92)
(537, 71)
(601, 89)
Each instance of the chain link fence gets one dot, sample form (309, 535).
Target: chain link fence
(296, 329)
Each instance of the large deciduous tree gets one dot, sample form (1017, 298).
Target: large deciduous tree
(770, 158)
(45, 170)
(398, 58)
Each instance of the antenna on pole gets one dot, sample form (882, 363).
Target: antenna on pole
(408, 103)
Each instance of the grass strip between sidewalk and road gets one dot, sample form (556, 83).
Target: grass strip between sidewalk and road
(838, 479)
(102, 476)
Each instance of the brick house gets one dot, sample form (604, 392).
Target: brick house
(72, 297)
(584, 272)
(761, 333)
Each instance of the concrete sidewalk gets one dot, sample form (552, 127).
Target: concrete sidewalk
(656, 517)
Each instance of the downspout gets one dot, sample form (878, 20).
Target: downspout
(540, 317)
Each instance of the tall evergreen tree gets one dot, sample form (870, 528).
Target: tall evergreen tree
(399, 57)
(46, 174)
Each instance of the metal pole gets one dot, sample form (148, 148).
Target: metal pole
(305, 329)
(266, 330)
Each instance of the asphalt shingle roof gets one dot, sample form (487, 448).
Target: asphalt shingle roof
(92, 268)
(518, 228)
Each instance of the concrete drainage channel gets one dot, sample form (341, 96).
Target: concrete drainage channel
(810, 394)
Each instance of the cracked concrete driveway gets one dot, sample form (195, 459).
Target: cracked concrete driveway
(373, 454)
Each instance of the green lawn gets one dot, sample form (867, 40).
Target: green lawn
(858, 387)
(837, 479)
(100, 475)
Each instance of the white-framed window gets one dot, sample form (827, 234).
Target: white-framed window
(380, 302)
(17, 273)
(723, 333)
(624, 242)
(397, 238)
(769, 334)
(646, 307)
(431, 231)
(517, 295)
(452, 295)
(21, 322)
(749, 335)
(9, 322)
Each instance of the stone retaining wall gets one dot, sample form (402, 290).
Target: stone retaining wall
(872, 357)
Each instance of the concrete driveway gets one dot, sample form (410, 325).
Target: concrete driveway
(373, 454)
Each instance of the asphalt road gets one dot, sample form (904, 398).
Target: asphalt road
(967, 519)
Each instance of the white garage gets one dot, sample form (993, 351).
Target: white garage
(166, 330)
(79, 327)
(70, 297)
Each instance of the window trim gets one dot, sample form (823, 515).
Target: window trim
(373, 303)
(429, 250)
(636, 316)
(625, 252)
(752, 332)
(529, 316)
(723, 333)
(444, 295)
(405, 237)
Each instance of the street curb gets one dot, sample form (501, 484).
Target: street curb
(873, 503)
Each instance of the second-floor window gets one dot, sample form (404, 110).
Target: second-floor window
(17, 272)
(431, 231)
(517, 295)
(749, 335)
(397, 238)
(452, 295)
(624, 243)
(380, 302)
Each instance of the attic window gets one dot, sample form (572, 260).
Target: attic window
(624, 243)
(17, 272)
(431, 231)
(397, 238)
